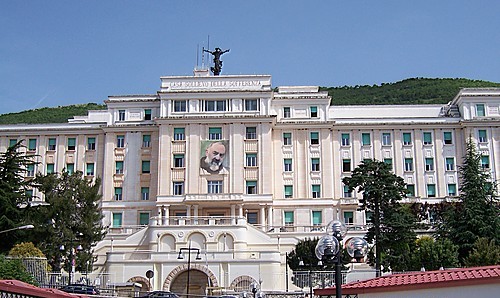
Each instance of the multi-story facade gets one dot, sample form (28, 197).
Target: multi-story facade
(239, 171)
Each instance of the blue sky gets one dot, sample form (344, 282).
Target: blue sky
(67, 52)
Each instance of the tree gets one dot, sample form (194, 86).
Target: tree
(13, 193)
(72, 219)
(476, 214)
(25, 249)
(392, 227)
(485, 252)
(433, 254)
(14, 269)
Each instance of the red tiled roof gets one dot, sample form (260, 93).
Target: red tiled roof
(19, 287)
(417, 280)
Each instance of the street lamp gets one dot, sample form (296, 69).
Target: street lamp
(72, 257)
(329, 249)
(181, 257)
(18, 228)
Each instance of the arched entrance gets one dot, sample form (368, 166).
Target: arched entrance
(200, 278)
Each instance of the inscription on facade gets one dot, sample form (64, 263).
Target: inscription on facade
(226, 84)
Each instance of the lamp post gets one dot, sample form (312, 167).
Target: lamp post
(18, 228)
(72, 258)
(329, 249)
(181, 257)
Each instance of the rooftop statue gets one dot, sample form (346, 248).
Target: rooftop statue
(216, 69)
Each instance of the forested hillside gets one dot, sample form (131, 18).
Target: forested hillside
(59, 114)
(409, 91)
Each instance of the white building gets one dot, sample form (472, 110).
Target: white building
(284, 153)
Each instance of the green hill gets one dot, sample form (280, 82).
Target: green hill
(59, 114)
(409, 91)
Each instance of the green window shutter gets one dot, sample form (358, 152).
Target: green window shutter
(214, 130)
(91, 140)
(12, 142)
(427, 138)
(119, 165)
(411, 190)
(146, 138)
(287, 135)
(317, 219)
(52, 142)
(315, 135)
(431, 189)
(288, 217)
(50, 168)
(365, 137)
(118, 190)
(407, 138)
(179, 130)
(288, 161)
(144, 218)
(117, 220)
(32, 144)
(482, 134)
(447, 135)
(480, 110)
(72, 142)
(348, 215)
(251, 183)
(314, 109)
(146, 166)
(288, 190)
(70, 168)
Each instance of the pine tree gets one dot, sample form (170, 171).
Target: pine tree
(392, 226)
(476, 214)
(13, 195)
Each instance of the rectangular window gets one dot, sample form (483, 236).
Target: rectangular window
(480, 110)
(315, 164)
(120, 141)
(29, 194)
(179, 134)
(147, 114)
(317, 218)
(71, 144)
(348, 217)
(411, 190)
(447, 136)
(485, 162)
(314, 112)
(52, 144)
(119, 167)
(427, 138)
(345, 139)
(90, 143)
(30, 170)
(146, 167)
(288, 215)
(214, 186)
(482, 136)
(316, 191)
(215, 133)
(346, 165)
(287, 138)
(431, 190)
(251, 133)
(347, 193)
(251, 160)
(50, 168)
(215, 105)
(70, 168)
(287, 162)
(386, 139)
(388, 161)
(251, 187)
(365, 139)
(90, 169)
(251, 104)
(429, 164)
(144, 218)
(146, 141)
(12, 142)
(407, 138)
(145, 193)
(450, 164)
(288, 191)
(121, 115)
(253, 218)
(118, 193)
(408, 164)
(32, 144)
(179, 161)
(286, 112)
(452, 190)
(178, 187)
(180, 106)
(314, 138)
(117, 220)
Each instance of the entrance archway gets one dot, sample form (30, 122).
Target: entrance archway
(200, 277)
